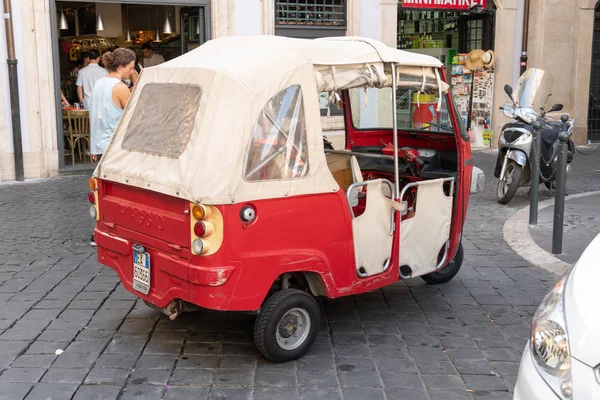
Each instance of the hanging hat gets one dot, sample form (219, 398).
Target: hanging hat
(489, 59)
(475, 59)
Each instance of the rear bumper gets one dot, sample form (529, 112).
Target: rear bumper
(171, 277)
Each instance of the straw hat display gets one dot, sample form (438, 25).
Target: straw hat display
(478, 59)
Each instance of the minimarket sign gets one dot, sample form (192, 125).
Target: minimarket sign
(443, 4)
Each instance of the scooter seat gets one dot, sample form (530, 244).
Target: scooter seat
(550, 133)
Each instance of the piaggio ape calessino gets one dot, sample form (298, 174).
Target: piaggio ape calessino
(218, 190)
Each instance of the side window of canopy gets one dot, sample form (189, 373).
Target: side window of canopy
(278, 147)
(163, 119)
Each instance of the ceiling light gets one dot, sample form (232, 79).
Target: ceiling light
(99, 23)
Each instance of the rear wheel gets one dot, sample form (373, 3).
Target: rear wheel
(508, 186)
(287, 325)
(448, 272)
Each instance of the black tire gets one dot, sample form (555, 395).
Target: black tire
(289, 303)
(448, 272)
(507, 188)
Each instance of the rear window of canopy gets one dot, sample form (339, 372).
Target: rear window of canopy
(163, 119)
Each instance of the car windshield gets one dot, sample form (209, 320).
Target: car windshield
(416, 111)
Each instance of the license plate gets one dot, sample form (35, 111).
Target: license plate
(141, 270)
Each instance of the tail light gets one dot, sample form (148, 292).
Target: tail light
(93, 199)
(199, 228)
(206, 223)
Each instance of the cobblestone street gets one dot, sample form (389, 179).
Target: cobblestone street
(461, 340)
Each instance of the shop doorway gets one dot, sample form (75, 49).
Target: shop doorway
(594, 101)
(172, 28)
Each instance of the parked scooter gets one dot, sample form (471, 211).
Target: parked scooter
(513, 166)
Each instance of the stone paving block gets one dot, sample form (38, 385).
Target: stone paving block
(412, 394)
(150, 376)
(427, 353)
(97, 392)
(191, 377)
(75, 360)
(107, 376)
(232, 377)
(125, 360)
(316, 364)
(22, 375)
(450, 395)
(474, 367)
(201, 348)
(363, 394)
(45, 391)
(40, 347)
(396, 364)
(393, 379)
(194, 362)
(502, 354)
(275, 378)
(20, 334)
(65, 375)
(88, 346)
(315, 392)
(32, 361)
(230, 394)
(133, 344)
(275, 393)
(57, 335)
(14, 391)
(187, 393)
(156, 362)
(484, 382)
(443, 382)
(162, 347)
(316, 378)
(142, 392)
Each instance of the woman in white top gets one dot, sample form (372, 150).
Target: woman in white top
(108, 99)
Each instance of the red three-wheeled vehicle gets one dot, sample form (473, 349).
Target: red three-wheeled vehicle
(218, 190)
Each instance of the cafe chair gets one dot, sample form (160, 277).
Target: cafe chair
(78, 133)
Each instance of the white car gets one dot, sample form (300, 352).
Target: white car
(562, 358)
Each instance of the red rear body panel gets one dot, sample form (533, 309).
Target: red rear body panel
(298, 234)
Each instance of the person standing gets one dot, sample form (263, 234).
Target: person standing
(84, 61)
(87, 77)
(150, 58)
(108, 100)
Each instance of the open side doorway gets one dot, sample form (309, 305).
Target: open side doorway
(74, 30)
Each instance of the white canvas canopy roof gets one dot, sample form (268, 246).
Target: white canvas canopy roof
(188, 125)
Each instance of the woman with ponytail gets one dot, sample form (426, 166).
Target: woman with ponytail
(108, 100)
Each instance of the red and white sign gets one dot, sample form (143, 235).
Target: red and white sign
(443, 4)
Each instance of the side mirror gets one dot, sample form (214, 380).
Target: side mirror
(509, 91)
(556, 107)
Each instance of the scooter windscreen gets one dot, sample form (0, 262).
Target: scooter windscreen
(534, 87)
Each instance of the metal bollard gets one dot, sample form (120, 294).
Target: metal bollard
(561, 181)
(534, 189)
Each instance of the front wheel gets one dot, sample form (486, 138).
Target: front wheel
(448, 272)
(508, 186)
(287, 325)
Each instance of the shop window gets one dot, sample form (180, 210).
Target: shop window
(416, 111)
(163, 119)
(278, 147)
(310, 12)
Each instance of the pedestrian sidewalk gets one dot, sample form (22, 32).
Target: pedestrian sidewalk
(581, 225)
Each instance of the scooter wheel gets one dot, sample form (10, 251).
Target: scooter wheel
(508, 187)
(448, 272)
(287, 325)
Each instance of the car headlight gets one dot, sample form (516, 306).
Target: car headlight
(550, 341)
(529, 115)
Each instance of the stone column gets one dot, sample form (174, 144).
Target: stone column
(504, 46)
(580, 80)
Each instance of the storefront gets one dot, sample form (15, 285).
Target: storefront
(171, 28)
(449, 30)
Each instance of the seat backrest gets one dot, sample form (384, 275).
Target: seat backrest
(79, 122)
(344, 168)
